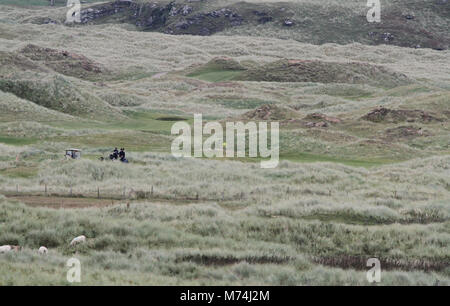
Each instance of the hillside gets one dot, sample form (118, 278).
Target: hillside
(364, 142)
(415, 24)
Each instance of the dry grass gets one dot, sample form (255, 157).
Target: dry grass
(302, 223)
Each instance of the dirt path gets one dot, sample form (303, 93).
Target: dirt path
(63, 202)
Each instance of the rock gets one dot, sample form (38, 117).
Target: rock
(186, 10)
(288, 23)
(182, 25)
(173, 11)
(167, 17)
(215, 14)
(316, 124)
(387, 37)
(265, 19)
(49, 21)
(104, 10)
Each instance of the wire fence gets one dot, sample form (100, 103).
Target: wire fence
(124, 193)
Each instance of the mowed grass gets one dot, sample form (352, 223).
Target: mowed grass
(17, 141)
(141, 131)
(130, 140)
(146, 121)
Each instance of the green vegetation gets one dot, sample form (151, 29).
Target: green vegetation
(364, 145)
(305, 158)
(17, 141)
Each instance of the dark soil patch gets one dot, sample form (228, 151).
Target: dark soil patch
(62, 61)
(62, 202)
(383, 114)
(360, 263)
(223, 260)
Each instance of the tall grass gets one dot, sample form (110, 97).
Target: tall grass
(219, 221)
(203, 244)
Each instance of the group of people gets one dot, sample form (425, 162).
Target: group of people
(120, 155)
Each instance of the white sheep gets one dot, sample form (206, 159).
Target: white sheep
(9, 248)
(5, 249)
(79, 239)
(43, 250)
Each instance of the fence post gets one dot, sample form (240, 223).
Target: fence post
(196, 197)
(98, 192)
(152, 192)
(45, 189)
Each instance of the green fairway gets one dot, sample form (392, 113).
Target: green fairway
(16, 141)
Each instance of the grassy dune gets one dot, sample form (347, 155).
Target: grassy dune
(364, 147)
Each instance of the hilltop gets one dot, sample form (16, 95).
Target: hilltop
(415, 24)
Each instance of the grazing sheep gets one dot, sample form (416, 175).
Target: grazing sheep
(79, 239)
(9, 248)
(5, 249)
(43, 250)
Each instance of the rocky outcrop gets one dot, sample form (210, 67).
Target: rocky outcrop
(62, 61)
(182, 18)
(104, 10)
(400, 26)
(383, 114)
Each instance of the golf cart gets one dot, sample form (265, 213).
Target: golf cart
(73, 153)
